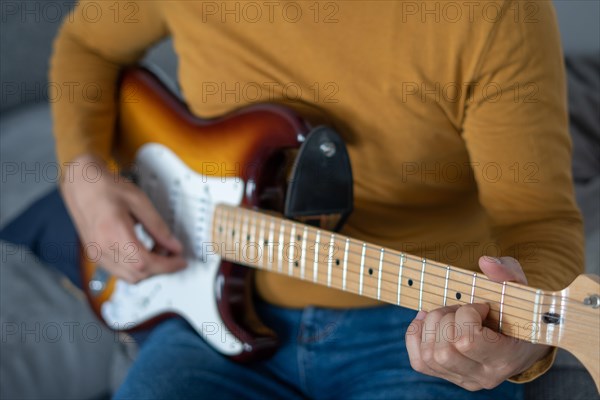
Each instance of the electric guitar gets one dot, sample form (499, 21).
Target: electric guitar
(194, 172)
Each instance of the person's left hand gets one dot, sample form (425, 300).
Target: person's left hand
(480, 358)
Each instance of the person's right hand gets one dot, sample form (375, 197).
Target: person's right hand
(105, 209)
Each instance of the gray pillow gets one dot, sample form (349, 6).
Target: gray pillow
(52, 344)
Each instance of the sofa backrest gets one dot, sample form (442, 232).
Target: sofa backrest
(27, 30)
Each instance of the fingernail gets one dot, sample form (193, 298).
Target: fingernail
(492, 259)
(421, 315)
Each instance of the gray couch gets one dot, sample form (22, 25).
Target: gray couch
(52, 345)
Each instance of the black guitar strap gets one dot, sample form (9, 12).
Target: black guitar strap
(320, 189)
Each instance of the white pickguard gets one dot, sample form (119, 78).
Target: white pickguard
(186, 200)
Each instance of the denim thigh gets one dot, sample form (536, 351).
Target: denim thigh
(358, 354)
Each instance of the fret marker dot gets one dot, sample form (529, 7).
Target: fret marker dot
(337, 261)
(410, 282)
(298, 237)
(295, 263)
(266, 242)
(220, 229)
(247, 238)
(458, 295)
(233, 233)
(370, 271)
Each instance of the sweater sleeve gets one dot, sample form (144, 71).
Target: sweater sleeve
(96, 40)
(516, 131)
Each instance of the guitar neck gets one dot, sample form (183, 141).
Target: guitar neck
(300, 251)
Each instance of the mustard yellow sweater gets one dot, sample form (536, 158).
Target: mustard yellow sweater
(455, 114)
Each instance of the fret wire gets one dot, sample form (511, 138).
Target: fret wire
(239, 231)
(446, 285)
(225, 222)
(271, 242)
(362, 268)
(345, 271)
(562, 312)
(550, 328)
(536, 314)
(292, 250)
(253, 235)
(219, 218)
(234, 230)
(280, 247)
(316, 264)
(303, 256)
(473, 286)
(402, 257)
(379, 275)
(330, 260)
(244, 230)
(421, 284)
(261, 236)
(501, 307)
(215, 223)
(227, 230)
(438, 266)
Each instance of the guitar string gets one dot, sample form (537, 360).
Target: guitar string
(404, 295)
(355, 242)
(411, 258)
(238, 215)
(550, 302)
(322, 274)
(287, 224)
(388, 294)
(378, 250)
(282, 221)
(587, 312)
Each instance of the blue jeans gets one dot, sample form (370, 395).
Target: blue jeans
(324, 353)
